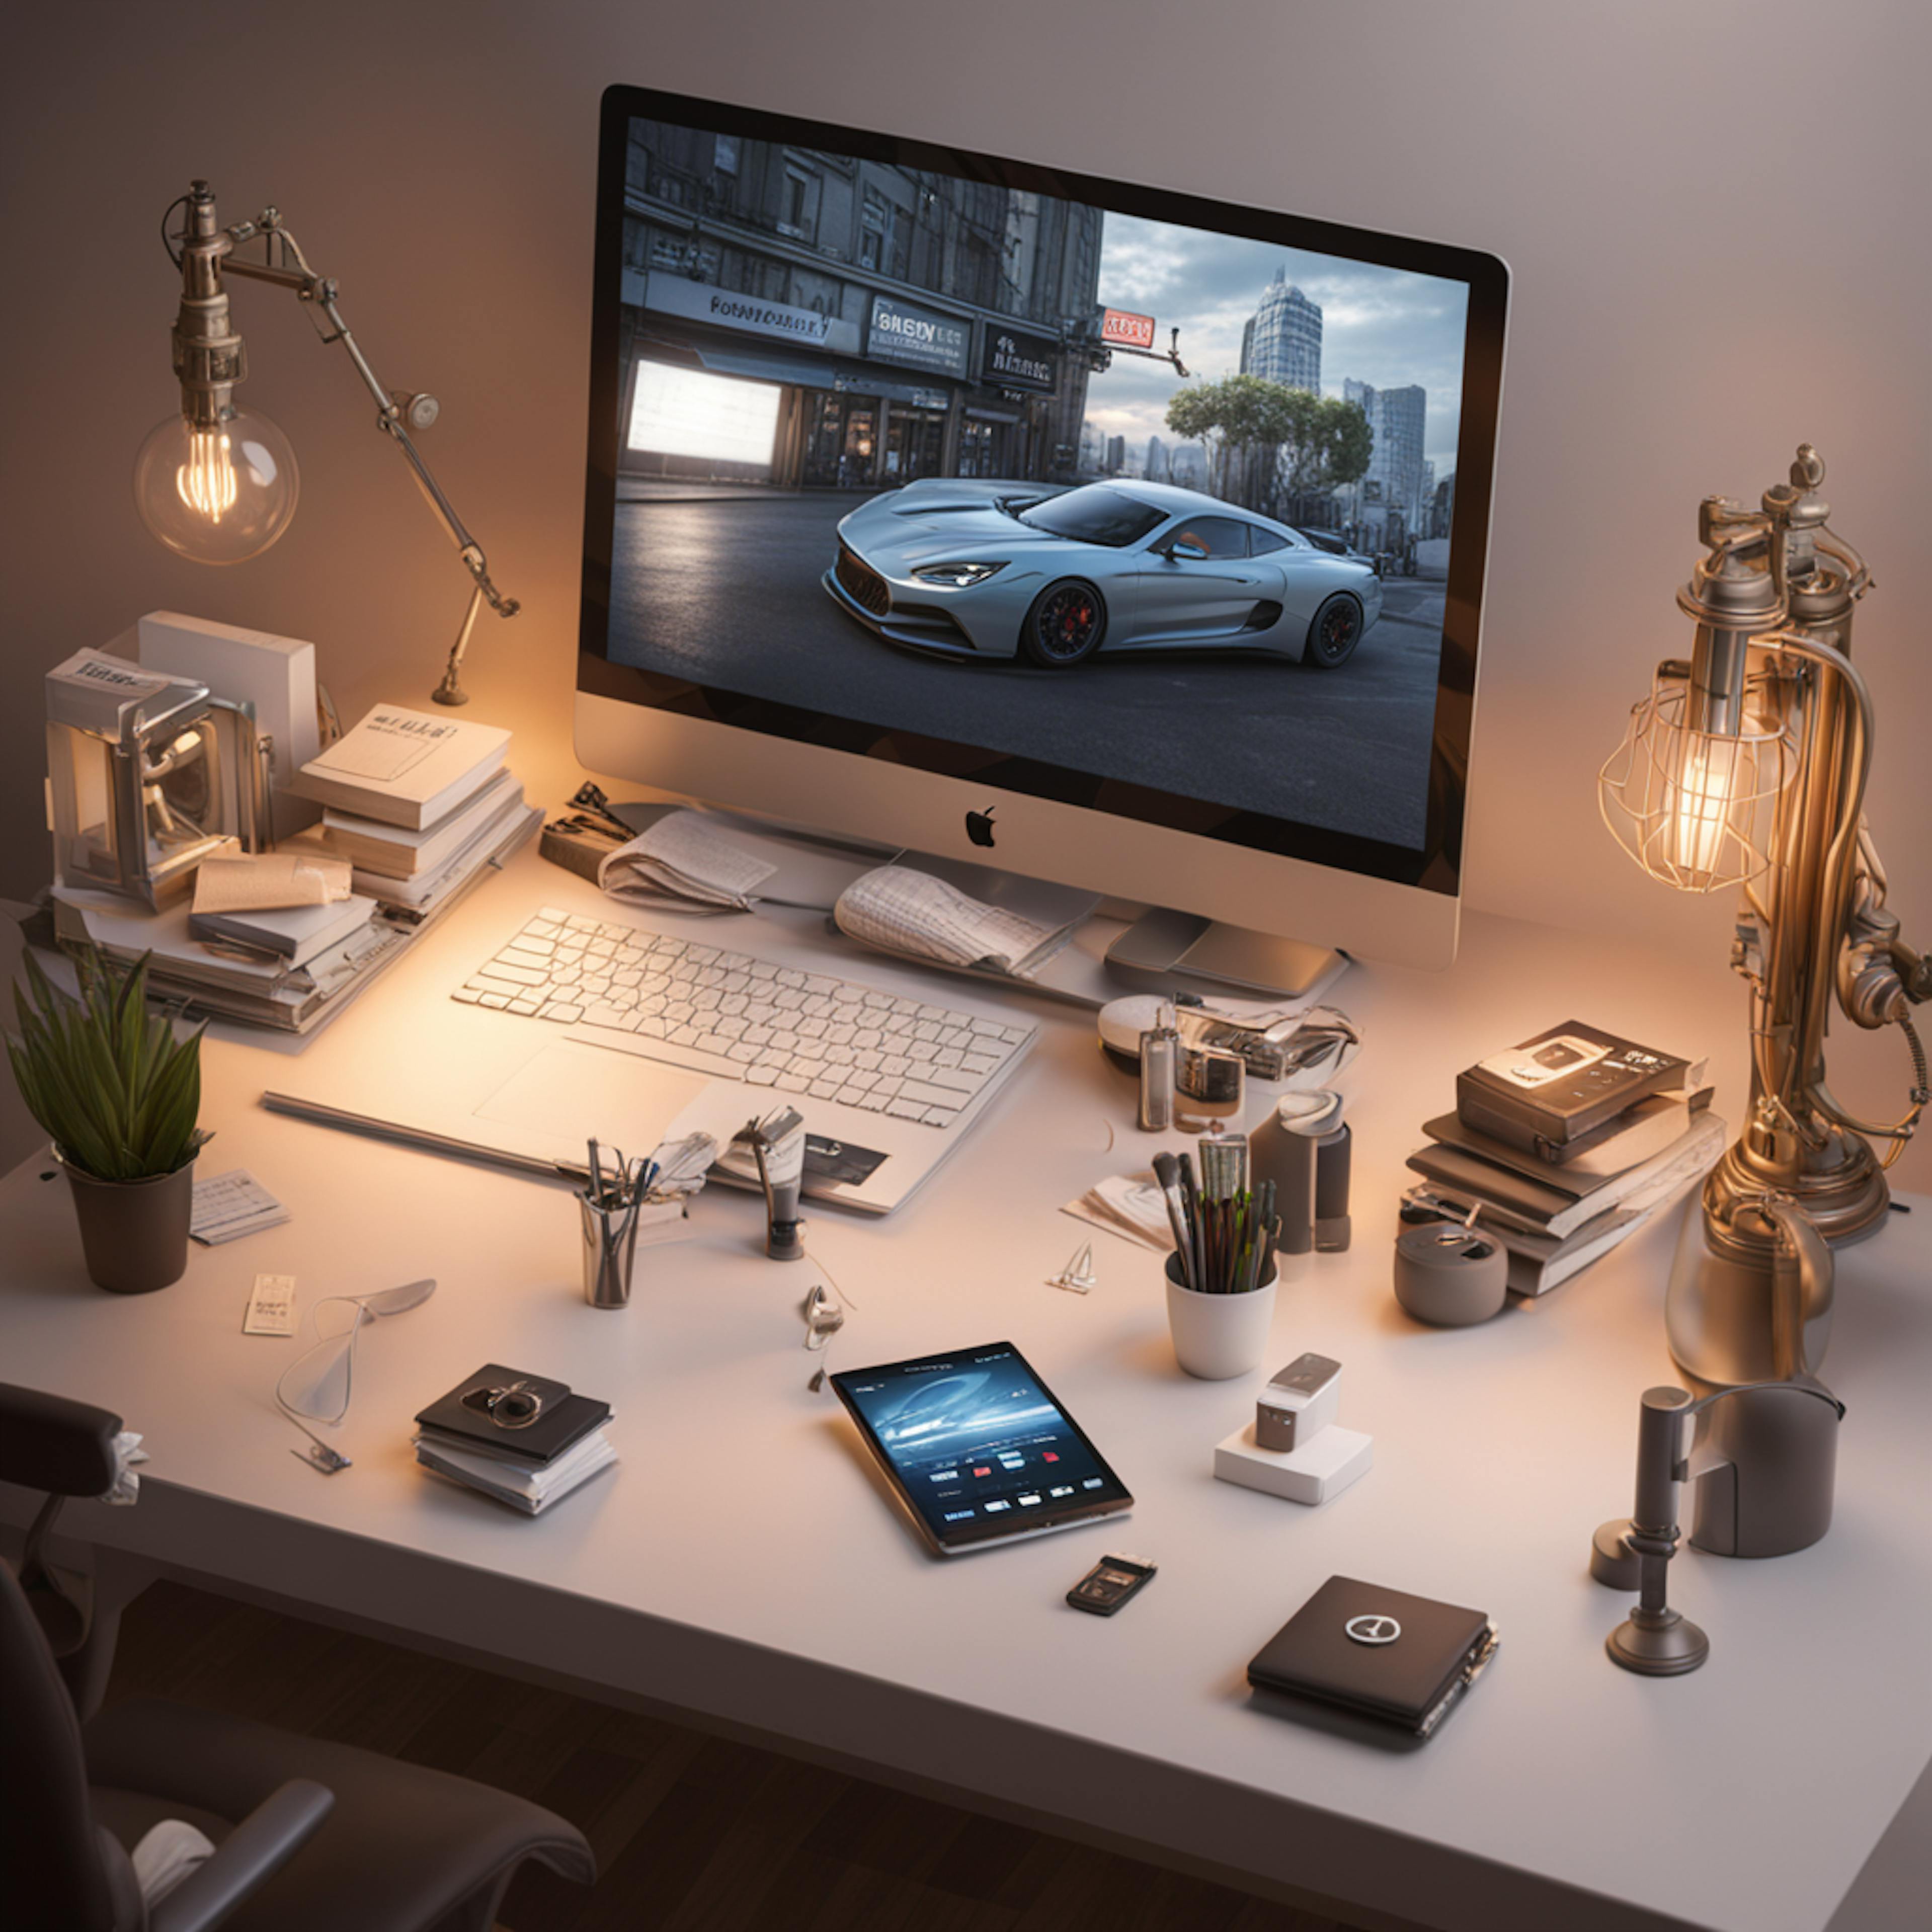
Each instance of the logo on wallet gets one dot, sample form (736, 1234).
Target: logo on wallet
(1373, 1628)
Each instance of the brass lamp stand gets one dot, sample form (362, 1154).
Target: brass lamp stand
(1746, 768)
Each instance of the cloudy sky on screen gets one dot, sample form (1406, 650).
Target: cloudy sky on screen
(1382, 325)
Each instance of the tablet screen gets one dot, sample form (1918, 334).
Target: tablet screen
(978, 1446)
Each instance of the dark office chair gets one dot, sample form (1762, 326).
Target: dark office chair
(309, 1836)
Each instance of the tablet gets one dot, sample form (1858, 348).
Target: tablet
(977, 1449)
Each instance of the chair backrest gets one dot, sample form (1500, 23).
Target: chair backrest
(49, 1443)
(53, 1872)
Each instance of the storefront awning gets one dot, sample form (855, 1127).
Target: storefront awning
(814, 372)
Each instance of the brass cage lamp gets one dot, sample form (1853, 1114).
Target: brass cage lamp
(1746, 768)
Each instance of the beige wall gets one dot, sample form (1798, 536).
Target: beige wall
(1714, 214)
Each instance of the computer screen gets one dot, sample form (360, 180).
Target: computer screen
(1167, 510)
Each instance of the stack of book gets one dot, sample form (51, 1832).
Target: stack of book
(1558, 1203)
(233, 978)
(525, 1440)
(417, 805)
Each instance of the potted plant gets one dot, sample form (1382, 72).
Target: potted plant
(118, 1095)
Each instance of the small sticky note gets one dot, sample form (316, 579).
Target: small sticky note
(271, 1307)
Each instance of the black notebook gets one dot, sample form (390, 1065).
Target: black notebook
(563, 1419)
(1385, 1654)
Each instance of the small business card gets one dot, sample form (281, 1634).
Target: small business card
(271, 1306)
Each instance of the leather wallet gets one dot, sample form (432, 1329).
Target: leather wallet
(466, 1418)
(1384, 1654)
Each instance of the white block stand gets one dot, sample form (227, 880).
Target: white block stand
(1322, 1468)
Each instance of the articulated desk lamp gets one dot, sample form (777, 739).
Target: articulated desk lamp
(1747, 767)
(218, 483)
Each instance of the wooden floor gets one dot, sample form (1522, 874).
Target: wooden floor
(692, 1834)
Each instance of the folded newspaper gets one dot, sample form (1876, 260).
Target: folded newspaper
(898, 909)
(685, 862)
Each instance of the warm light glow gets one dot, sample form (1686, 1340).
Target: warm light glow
(218, 493)
(1705, 787)
(205, 482)
(688, 413)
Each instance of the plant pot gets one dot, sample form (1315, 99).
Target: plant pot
(133, 1234)
(1216, 1336)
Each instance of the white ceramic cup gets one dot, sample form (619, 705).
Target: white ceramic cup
(1216, 1336)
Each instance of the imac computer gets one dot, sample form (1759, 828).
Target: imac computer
(953, 501)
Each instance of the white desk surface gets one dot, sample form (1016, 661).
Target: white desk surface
(744, 1563)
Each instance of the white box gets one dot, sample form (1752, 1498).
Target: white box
(275, 676)
(1322, 1468)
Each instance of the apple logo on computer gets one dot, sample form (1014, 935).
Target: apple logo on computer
(979, 826)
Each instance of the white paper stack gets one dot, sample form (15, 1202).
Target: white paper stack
(530, 1487)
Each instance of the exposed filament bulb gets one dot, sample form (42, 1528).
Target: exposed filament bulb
(205, 482)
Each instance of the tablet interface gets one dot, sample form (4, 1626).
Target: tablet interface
(977, 1446)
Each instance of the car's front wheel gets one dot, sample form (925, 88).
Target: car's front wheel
(1337, 629)
(1065, 625)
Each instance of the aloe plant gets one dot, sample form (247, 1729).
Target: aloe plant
(107, 1080)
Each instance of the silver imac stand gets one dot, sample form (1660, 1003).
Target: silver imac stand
(1182, 949)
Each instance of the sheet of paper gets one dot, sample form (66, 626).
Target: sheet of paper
(227, 1206)
(271, 1306)
(1131, 1206)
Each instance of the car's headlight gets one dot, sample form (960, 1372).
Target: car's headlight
(960, 576)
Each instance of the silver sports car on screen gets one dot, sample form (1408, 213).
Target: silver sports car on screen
(1004, 570)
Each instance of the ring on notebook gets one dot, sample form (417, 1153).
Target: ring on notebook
(516, 1406)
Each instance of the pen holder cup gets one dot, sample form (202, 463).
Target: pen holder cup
(610, 1244)
(1217, 1336)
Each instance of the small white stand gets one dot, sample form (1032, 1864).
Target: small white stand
(1324, 1467)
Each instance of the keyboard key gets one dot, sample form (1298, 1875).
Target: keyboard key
(468, 995)
(823, 1090)
(954, 1080)
(525, 1007)
(514, 976)
(562, 1014)
(874, 1103)
(790, 1083)
(742, 1052)
(761, 1076)
(605, 1014)
(977, 1063)
(905, 1110)
(929, 1096)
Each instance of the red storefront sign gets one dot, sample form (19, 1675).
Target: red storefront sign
(1130, 332)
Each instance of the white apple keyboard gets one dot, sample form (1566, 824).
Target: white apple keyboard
(737, 1017)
